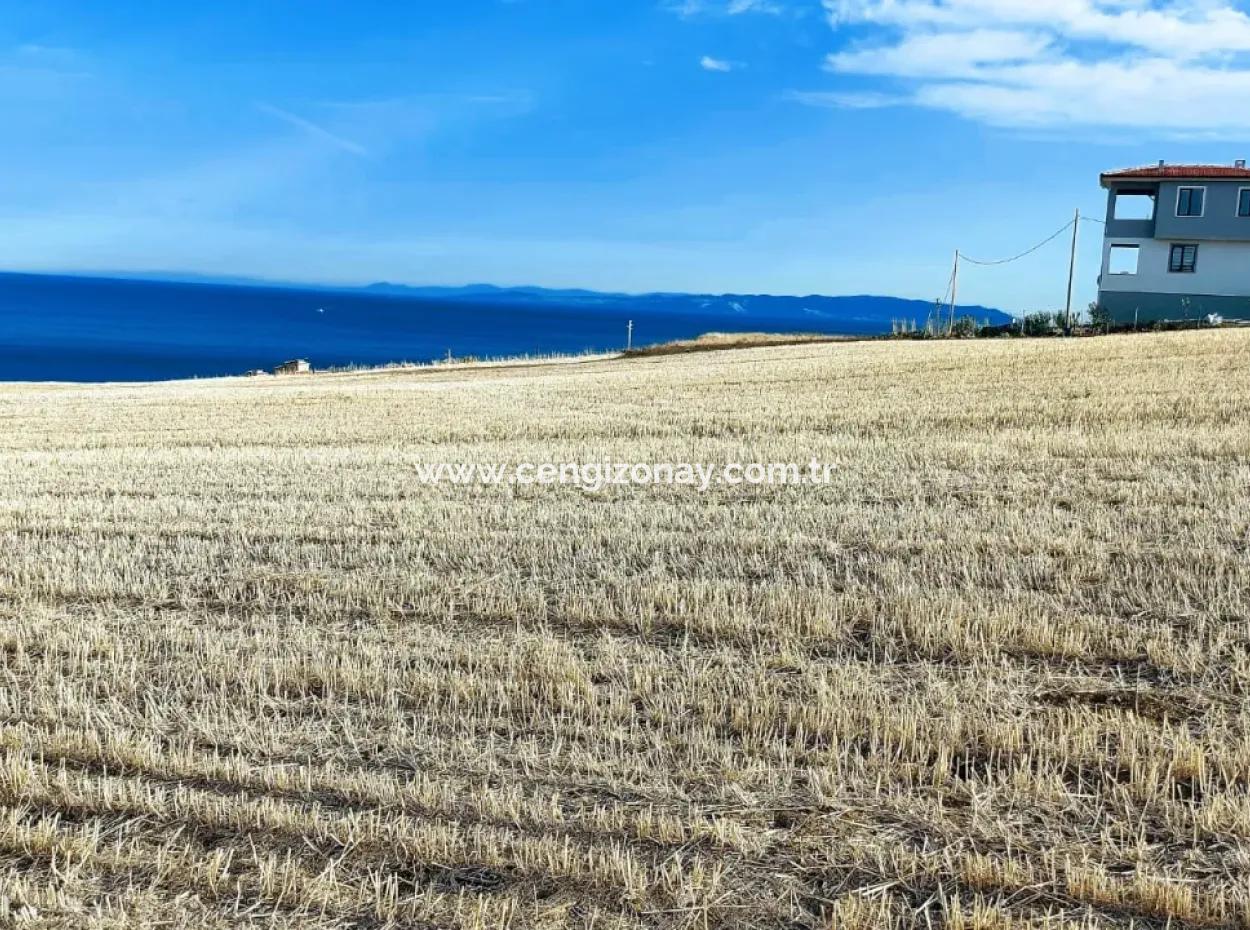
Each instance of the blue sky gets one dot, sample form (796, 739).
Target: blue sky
(783, 146)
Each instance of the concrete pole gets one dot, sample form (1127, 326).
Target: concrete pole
(954, 292)
(1076, 231)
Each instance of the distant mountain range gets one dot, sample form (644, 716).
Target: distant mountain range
(863, 313)
(861, 309)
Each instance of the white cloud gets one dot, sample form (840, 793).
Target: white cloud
(1167, 65)
(1184, 28)
(708, 63)
(942, 54)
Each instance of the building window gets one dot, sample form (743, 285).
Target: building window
(1123, 259)
(1243, 202)
(1189, 201)
(1184, 259)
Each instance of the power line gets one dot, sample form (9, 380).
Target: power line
(1073, 224)
(1016, 258)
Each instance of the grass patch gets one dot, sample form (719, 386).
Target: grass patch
(716, 342)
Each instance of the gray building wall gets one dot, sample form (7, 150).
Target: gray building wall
(1131, 229)
(1219, 220)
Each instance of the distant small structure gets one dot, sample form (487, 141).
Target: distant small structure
(257, 373)
(296, 366)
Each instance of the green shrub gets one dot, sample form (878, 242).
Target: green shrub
(964, 328)
(1042, 323)
(1099, 317)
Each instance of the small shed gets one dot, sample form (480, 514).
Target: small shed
(296, 366)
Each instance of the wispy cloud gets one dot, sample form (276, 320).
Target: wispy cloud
(32, 70)
(737, 7)
(1170, 66)
(846, 100)
(684, 8)
(688, 9)
(313, 129)
(708, 63)
(52, 56)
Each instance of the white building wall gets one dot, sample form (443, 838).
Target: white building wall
(1223, 269)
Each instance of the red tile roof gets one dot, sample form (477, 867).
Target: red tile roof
(1172, 172)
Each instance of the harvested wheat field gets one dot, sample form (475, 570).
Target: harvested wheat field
(995, 674)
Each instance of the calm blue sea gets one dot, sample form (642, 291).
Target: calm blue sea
(98, 329)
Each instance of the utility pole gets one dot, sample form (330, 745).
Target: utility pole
(1076, 231)
(954, 292)
(629, 336)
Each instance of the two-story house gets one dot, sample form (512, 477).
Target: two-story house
(1177, 245)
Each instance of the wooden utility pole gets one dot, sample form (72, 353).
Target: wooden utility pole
(1076, 231)
(954, 292)
(629, 336)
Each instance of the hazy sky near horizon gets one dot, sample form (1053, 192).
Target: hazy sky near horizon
(783, 146)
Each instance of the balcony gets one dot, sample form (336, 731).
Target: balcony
(1131, 212)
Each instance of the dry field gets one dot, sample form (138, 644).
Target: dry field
(996, 675)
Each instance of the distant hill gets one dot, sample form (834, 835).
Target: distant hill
(860, 309)
(487, 291)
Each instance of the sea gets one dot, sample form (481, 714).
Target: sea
(94, 329)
